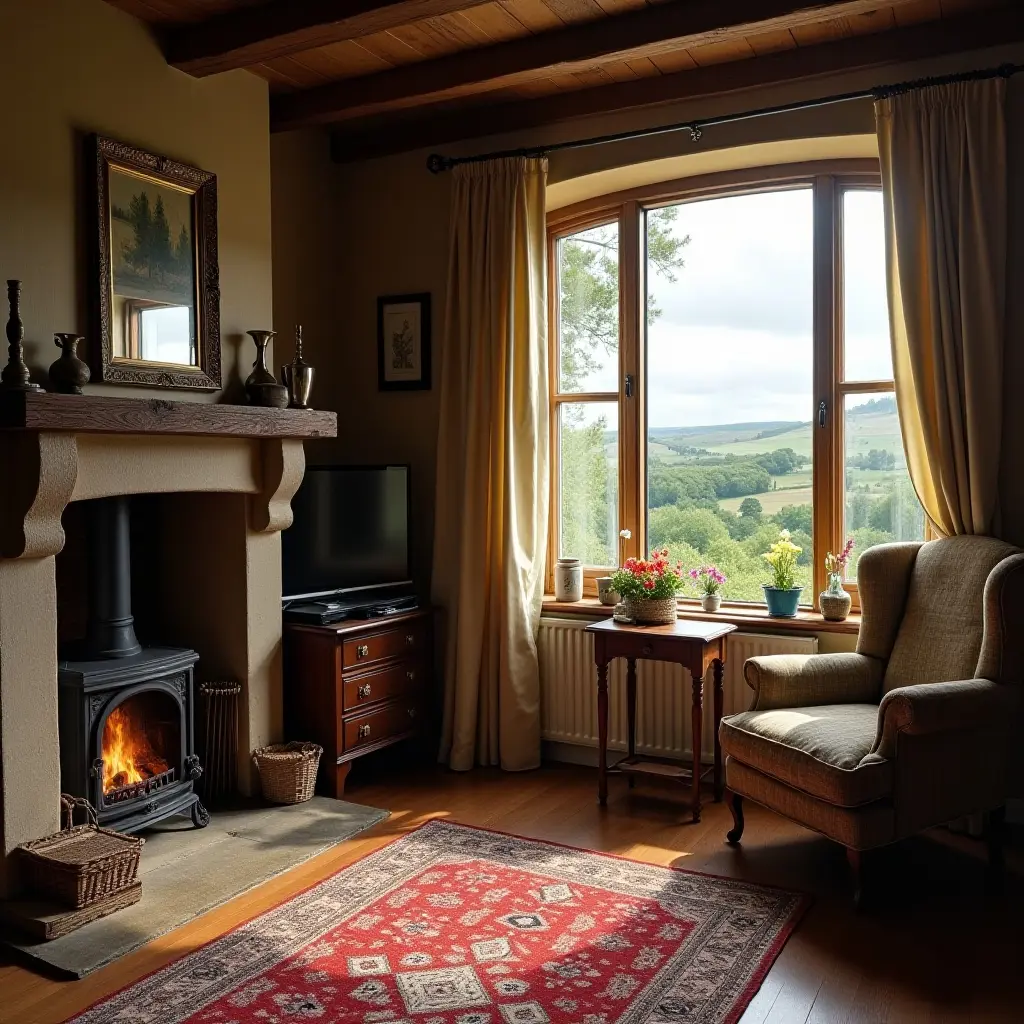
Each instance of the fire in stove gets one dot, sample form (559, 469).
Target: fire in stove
(131, 766)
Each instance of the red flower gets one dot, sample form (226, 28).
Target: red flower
(649, 584)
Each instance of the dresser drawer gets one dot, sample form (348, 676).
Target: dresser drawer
(395, 719)
(371, 687)
(392, 643)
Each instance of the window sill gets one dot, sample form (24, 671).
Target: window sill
(750, 617)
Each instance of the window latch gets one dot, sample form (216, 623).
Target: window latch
(629, 385)
(822, 413)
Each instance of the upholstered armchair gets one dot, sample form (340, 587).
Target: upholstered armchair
(916, 727)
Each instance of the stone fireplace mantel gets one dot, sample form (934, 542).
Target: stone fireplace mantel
(231, 472)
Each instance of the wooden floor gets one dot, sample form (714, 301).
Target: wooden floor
(931, 949)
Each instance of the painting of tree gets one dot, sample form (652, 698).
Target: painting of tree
(152, 249)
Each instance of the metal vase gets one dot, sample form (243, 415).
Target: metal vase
(299, 382)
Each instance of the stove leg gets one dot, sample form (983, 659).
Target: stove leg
(200, 815)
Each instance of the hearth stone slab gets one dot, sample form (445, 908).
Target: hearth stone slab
(186, 872)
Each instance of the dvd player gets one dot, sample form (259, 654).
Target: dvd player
(324, 613)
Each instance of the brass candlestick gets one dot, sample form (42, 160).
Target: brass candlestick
(15, 376)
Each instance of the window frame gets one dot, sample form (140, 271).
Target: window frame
(829, 180)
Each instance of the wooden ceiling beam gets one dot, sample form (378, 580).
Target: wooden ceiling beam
(439, 123)
(251, 35)
(640, 33)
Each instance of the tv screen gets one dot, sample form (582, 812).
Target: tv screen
(350, 531)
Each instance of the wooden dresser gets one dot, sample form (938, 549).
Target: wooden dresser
(357, 686)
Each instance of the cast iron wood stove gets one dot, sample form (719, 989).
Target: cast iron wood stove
(127, 739)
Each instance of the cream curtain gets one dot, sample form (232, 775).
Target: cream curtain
(492, 473)
(944, 178)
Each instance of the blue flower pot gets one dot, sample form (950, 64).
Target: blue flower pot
(782, 604)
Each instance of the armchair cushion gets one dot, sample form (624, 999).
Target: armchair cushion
(940, 636)
(799, 680)
(819, 750)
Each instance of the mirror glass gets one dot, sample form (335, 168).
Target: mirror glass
(154, 262)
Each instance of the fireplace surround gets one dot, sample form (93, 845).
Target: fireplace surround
(226, 475)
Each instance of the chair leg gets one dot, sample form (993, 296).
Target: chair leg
(735, 802)
(995, 836)
(855, 858)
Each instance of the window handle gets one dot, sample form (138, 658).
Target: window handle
(629, 385)
(822, 413)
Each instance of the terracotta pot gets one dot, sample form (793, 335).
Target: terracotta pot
(659, 611)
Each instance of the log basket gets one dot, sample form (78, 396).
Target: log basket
(82, 863)
(288, 771)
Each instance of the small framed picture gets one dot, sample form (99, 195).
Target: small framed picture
(403, 342)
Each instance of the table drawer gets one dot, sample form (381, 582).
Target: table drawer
(391, 643)
(395, 719)
(371, 687)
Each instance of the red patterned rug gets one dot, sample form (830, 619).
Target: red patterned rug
(457, 925)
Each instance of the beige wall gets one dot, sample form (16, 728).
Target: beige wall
(73, 67)
(344, 234)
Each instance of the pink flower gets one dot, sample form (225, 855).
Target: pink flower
(695, 574)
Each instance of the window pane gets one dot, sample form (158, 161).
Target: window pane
(868, 355)
(729, 370)
(881, 505)
(588, 310)
(588, 444)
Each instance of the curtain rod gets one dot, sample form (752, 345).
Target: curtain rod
(437, 162)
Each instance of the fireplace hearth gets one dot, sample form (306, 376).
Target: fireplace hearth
(127, 737)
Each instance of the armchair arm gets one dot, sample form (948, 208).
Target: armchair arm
(803, 680)
(928, 708)
(1002, 647)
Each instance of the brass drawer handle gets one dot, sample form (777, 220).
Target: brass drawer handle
(410, 675)
(364, 731)
(363, 692)
(410, 639)
(362, 651)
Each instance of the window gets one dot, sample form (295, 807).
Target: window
(721, 370)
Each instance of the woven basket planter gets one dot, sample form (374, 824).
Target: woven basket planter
(81, 863)
(288, 771)
(659, 611)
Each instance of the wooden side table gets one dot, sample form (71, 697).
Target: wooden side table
(697, 646)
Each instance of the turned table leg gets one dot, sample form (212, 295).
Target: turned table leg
(719, 673)
(631, 709)
(602, 733)
(697, 725)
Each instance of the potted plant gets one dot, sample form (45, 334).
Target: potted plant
(709, 580)
(649, 587)
(782, 595)
(834, 601)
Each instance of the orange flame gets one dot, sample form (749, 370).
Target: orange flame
(128, 757)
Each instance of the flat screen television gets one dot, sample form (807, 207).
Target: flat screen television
(349, 533)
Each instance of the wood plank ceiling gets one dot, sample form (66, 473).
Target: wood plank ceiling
(390, 75)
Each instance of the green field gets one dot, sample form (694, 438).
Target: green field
(701, 480)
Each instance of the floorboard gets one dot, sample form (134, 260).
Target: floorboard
(930, 948)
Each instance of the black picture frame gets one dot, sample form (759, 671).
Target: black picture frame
(108, 155)
(417, 377)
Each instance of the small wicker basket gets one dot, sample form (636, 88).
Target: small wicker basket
(82, 863)
(288, 771)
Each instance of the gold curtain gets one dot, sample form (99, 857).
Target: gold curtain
(492, 473)
(944, 179)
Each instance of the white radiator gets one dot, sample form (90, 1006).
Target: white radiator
(569, 690)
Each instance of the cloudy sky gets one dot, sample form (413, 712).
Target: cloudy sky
(733, 343)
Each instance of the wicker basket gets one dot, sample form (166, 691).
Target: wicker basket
(652, 611)
(288, 771)
(82, 863)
